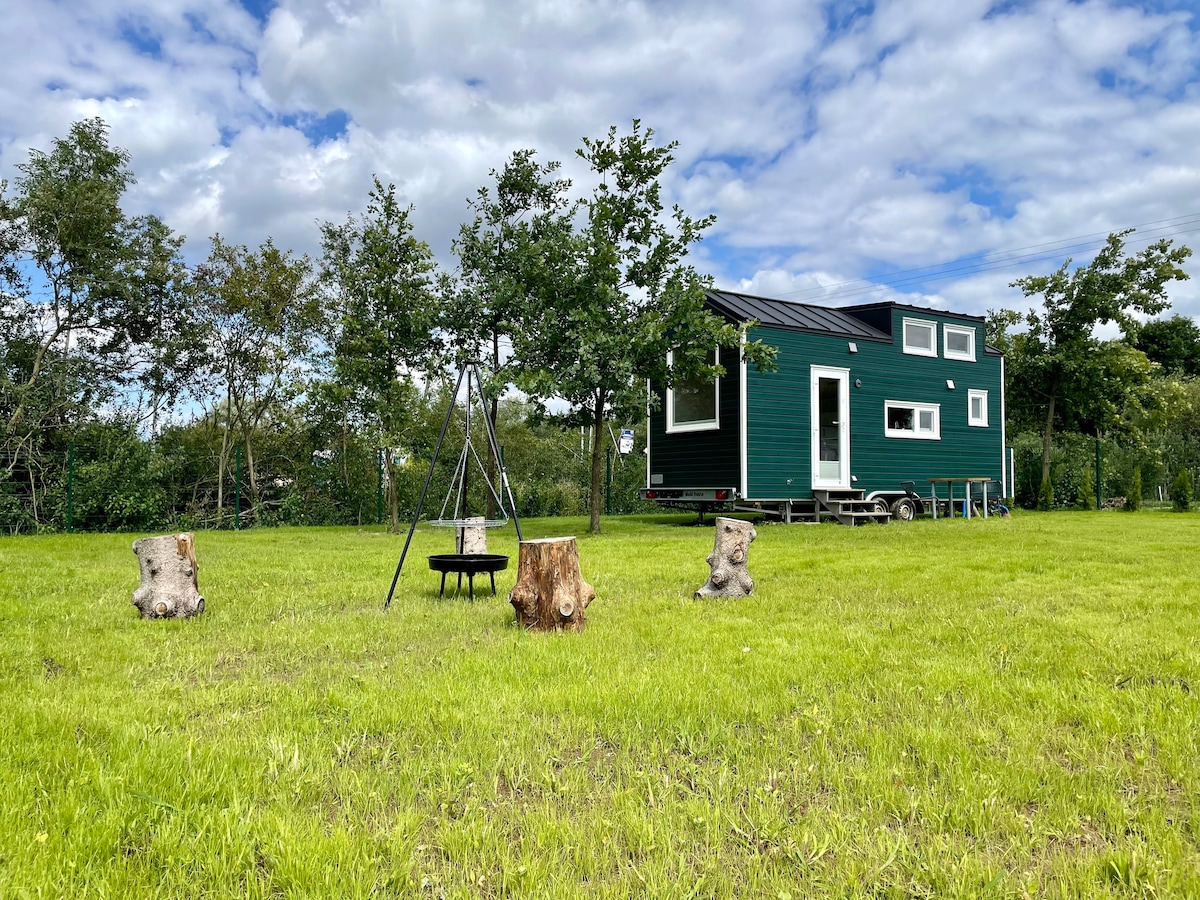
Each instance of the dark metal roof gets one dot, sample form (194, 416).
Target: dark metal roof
(792, 315)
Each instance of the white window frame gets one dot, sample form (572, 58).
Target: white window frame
(933, 337)
(917, 409)
(969, 356)
(977, 422)
(713, 424)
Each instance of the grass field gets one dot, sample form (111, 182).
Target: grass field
(1000, 708)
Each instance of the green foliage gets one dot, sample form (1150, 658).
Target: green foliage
(296, 742)
(261, 309)
(1085, 493)
(1046, 495)
(1173, 343)
(1059, 374)
(1133, 496)
(119, 481)
(1181, 491)
(382, 323)
(607, 293)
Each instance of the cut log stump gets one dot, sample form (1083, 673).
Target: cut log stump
(729, 560)
(550, 593)
(471, 538)
(169, 588)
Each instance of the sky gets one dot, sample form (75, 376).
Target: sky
(923, 151)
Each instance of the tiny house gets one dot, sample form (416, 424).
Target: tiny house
(867, 405)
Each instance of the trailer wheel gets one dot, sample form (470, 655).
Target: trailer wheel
(904, 509)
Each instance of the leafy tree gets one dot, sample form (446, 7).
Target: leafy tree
(608, 294)
(88, 292)
(382, 322)
(493, 250)
(1173, 343)
(262, 312)
(1058, 370)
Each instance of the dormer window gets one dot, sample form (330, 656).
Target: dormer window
(920, 337)
(959, 342)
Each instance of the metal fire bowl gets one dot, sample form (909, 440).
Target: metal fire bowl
(468, 563)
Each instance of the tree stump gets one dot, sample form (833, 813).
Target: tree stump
(169, 588)
(550, 593)
(729, 560)
(471, 538)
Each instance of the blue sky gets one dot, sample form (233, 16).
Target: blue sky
(852, 151)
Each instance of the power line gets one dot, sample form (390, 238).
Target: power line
(998, 260)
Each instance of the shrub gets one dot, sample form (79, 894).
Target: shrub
(1085, 493)
(1181, 491)
(1133, 497)
(1046, 496)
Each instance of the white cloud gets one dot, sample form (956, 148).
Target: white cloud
(922, 133)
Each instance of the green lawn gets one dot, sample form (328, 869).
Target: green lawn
(993, 708)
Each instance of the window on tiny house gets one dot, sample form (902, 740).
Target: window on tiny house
(959, 342)
(692, 404)
(977, 413)
(912, 420)
(920, 337)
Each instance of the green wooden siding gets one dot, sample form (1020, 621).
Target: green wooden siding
(780, 459)
(700, 458)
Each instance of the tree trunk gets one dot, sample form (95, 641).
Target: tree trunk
(253, 476)
(550, 594)
(389, 464)
(729, 560)
(223, 459)
(1046, 436)
(169, 588)
(597, 464)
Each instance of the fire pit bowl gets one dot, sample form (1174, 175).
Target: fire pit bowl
(469, 564)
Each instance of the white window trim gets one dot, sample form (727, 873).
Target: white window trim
(917, 408)
(971, 420)
(954, 354)
(713, 424)
(933, 337)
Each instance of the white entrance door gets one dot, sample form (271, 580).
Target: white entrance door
(830, 392)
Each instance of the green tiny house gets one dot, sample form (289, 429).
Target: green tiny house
(865, 398)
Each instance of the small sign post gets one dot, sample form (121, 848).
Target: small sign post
(625, 444)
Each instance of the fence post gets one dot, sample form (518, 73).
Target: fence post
(1099, 477)
(70, 485)
(237, 496)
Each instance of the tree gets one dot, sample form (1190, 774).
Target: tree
(493, 251)
(1058, 370)
(381, 325)
(262, 310)
(609, 294)
(1173, 343)
(86, 291)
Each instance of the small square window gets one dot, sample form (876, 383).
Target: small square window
(959, 342)
(977, 411)
(920, 337)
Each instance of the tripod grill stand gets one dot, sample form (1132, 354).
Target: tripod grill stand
(458, 514)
